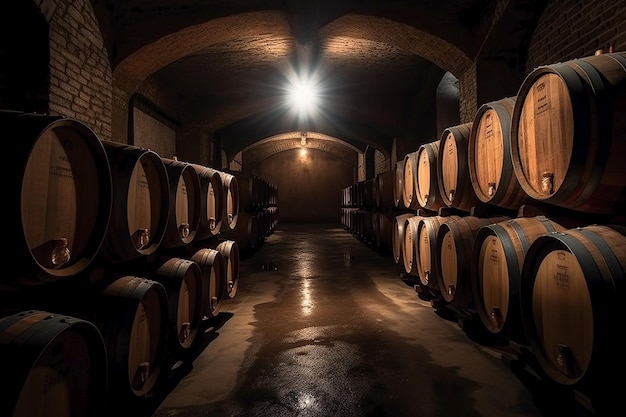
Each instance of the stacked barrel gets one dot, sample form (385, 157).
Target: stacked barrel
(517, 222)
(122, 258)
(258, 212)
(369, 209)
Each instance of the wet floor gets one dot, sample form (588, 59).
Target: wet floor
(323, 325)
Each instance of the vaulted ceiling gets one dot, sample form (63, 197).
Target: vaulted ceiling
(374, 61)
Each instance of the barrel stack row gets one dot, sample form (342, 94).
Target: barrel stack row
(368, 210)
(516, 222)
(122, 260)
(258, 212)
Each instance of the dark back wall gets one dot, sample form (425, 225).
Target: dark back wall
(309, 186)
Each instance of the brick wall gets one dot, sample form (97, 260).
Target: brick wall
(81, 82)
(570, 29)
(381, 163)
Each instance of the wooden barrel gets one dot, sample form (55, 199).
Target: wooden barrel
(231, 257)
(398, 185)
(426, 251)
(455, 242)
(497, 260)
(455, 186)
(59, 208)
(211, 202)
(251, 192)
(489, 156)
(382, 224)
(568, 134)
(426, 180)
(182, 280)
(184, 218)
(53, 365)
(409, 174)
(384, 189)
(213, 280)
(573, 287)
(132, 318)
(230, 209)
(141, 203)
(398, 236)
(409, 245)
(346, 197)
(247, 233)
(365, 222)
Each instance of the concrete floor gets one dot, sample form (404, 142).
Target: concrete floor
(323, 325)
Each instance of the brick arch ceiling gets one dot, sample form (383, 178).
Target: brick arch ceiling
(257, 152)
(152, 57)
(341, 39)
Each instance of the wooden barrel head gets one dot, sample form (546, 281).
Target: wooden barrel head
(230, 255)
(572, 287)
(493, 288)
(449, 155)
(563, 314)
(58, 366)
(397, 238)
(408, 247)
(567, 134)
(211, 202)
(63, 199)
(488, 154)
(427, 184)
(545, 146)
(184, 219)
(182, 279)
(231, 200)
(133, 322)
(398, 185)
(213, 280)
(448, 262)
(141, 196)
(409, 171)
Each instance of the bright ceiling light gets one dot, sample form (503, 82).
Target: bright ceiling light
(303, 96)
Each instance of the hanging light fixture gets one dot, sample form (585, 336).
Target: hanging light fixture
(303, 138)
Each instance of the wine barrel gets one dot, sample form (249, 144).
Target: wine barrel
(409, 257)
(384, 183)
(497, 260)
(61, 205)
(141, 203)
(398, 185)
(346, 197)
(184, 218)
(398, 236)
(251, 193)
(182, 280)
(573, 286)
(211, 202)
(568, 134)
(455, 186)
(132, 318)
(213, 280)
(455, 241)
(230, 209)
(427, 191)
(489, 156)
(230, 254)
(409, 187)
(382, 223)
(426, 251)
(248, 232)
(52, 365)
